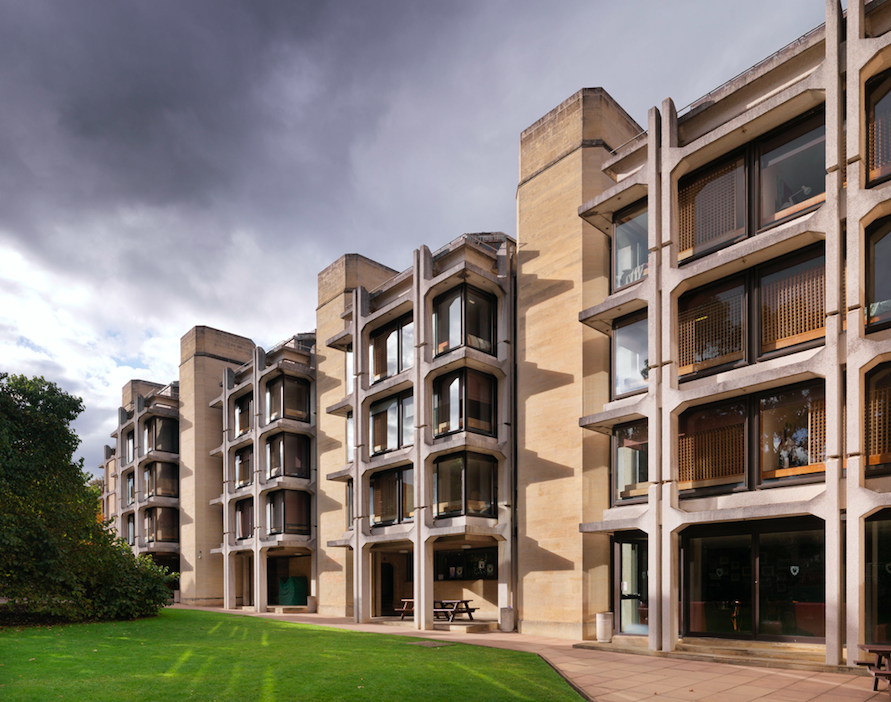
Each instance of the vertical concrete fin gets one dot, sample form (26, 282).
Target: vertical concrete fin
(230, 379)
(122, 416)
(140, 404)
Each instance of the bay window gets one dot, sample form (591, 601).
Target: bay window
(465, 484)
(131, 530)
(288, 512)
(160, 434)
(392, 348)
(130, 445)
(392, 423)
(287, 454)
(464, 400)
(464, 316)
(161, 479)
(392, 496)
(287, 397)
(161, 524)
(130, 487)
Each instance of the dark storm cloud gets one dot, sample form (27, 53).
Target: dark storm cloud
(171, 163)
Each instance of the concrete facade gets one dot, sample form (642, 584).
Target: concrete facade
(556, 523)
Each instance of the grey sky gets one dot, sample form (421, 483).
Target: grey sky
(168, 163)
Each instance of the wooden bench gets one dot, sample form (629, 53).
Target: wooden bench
(447, 609)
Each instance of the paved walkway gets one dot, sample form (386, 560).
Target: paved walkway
(618, 677)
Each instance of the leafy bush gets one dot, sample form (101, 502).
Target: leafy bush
(56, 557)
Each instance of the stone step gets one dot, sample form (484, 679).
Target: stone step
(474, 627)
(289, 609)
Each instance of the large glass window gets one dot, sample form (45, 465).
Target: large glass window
(287, 454)
(131, 529)
(790, 426)
(793, 170)
(464, 316)
(392, 423)
(793, 432)
(349, 370)
(161, 434)
(788, 174)
(287, 397)
(712, 321)
(762, 579)
(878, 127)
(161, 479)
(464, 400)
(244, 518)
(162, 524)
(632, 583)
(130, 445)
(392, 496)
(465, 483)
(878, 420)
(243, 414)
(630, 247)
(878, 282)
(630, 461)
(392, 348)
(288, 512)
(631, 356)
(244, 462)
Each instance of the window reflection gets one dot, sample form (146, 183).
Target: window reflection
(630, 249)
(631, 370)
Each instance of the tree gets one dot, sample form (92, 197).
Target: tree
(56, 557)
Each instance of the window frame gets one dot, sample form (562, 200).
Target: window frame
(751, 281)
(242, 507)
(399, 399)
(463, 402)
(881, 467)
(751, 205)
(239, 409)
(615, 499)
(130, 524)
(130, 488)
(627, 214)
(872, 85)
(302, 445)
(398, 326)
(151, 432)
(152, 517)
(752, 470)
(400, 518)
(278, 383)
(464, 512)
(870, 271)
(620, 323)
(462, 290)
(150, 476)
(271, 498)
(238, 462)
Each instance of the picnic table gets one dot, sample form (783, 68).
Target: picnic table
(882, 666)
(449, 609)
(408, 607)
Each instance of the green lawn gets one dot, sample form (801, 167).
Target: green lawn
(191, 655)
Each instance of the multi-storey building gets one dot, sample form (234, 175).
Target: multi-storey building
(668, 400)
(419, 375)
(268, 477)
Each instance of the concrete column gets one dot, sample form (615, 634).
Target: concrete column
(260, 598)
(424, 585)
(363, 592)
(229, 575)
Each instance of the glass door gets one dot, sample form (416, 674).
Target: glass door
(631, 585)
(719, 577)
(792, 584)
